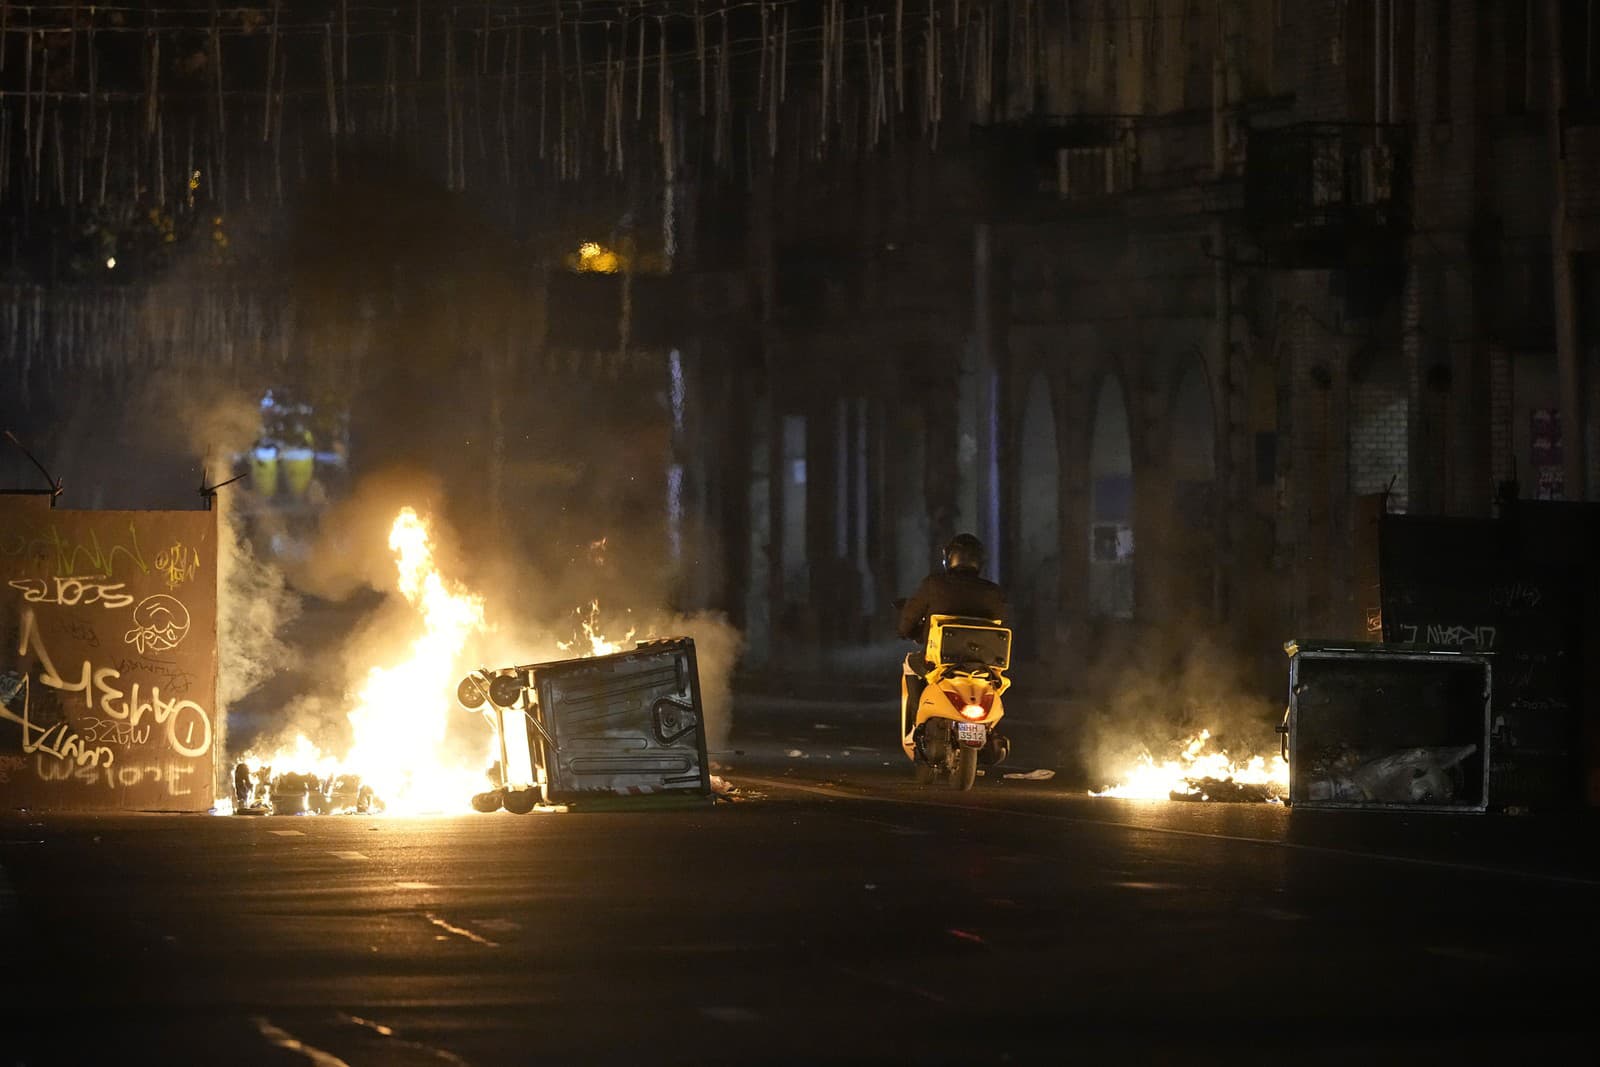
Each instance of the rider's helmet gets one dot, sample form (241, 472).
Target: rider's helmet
(964, 552)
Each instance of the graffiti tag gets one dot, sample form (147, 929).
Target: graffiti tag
(114, 732)
(188, 725)
(1440, 635)
(59, 740)
(90, 557)
(72, 592)
(178, 564)
(160, 623)
(125, 776)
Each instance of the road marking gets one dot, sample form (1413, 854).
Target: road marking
(1146, 885)
(377, 1028)
(388, 1031)
(1414, 861)
(284, 1039)
(892, 827)
(461, 931)
(891, 983)
(287, 833)
(349, 855)
(415, 885)
(966, 935)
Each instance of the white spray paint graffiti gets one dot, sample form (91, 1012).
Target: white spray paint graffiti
(59, 741)
(72, 592)
(188, 725)
(160, 623)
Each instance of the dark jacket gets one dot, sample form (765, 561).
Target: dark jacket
(959, 592)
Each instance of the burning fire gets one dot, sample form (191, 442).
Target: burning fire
(396, 761)
(402, 711)
(1195, 766)
(598, 644)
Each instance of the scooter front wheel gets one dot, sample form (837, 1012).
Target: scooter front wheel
(966, 771)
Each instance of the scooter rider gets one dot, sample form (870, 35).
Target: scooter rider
(956, 590)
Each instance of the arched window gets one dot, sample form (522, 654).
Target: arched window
(1111, 506)
(1038, 580)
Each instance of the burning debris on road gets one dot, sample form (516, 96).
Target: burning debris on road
(262, 792)
(614, 716)
(1202, 772)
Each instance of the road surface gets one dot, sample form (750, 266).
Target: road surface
(835, 913)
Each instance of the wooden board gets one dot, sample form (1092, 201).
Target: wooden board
(108, 658)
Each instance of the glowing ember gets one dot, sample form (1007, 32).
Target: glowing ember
(401, 713)
(1195, 765)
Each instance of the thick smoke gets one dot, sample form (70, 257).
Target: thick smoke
(1153, 697)
(542, 474)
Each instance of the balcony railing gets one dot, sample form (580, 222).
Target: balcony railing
(1060, 157)
(1322, 178)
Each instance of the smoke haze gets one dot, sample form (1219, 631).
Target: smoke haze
(542, 475)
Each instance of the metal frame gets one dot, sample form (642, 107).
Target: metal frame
(1391, 654)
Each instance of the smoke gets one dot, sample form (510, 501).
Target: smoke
(1154, 696)
(349, 551)
(542, 473)
(717, 645)
(255, 606)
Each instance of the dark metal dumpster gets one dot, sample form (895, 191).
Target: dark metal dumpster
(628, 723)
(1375, 726)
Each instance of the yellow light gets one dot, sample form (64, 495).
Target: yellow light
(595, 257)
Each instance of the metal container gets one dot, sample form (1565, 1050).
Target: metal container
(1376, 726)
(629, 723)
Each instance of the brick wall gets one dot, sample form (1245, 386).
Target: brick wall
(1379, 448)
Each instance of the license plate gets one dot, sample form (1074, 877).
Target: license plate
(971, 733)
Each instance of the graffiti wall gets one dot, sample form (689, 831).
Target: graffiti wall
(108, 638)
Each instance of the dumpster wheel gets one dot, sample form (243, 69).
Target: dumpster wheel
(521, 801)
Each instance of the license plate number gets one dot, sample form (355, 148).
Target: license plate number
(971, 733)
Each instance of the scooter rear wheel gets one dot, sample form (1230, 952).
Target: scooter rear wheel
(966, 771)
(923, 773)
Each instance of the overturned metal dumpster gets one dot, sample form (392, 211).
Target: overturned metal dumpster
(629, 723)
(1374, 726)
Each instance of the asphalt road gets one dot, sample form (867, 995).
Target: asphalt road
(835, 913)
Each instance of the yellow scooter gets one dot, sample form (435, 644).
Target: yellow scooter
(960, 705)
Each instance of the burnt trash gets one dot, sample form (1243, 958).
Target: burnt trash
(1227, 790)
(291, 794)
(1430, 776)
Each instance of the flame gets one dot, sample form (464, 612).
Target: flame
(401, 714)
(1149, 780)
(598, 644)
(403, 709)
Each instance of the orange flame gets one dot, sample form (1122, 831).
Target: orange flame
(402, 712)
(1149, 780)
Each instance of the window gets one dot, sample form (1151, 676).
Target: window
(1441, 59)
(1517, 33)
(1580, 54)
